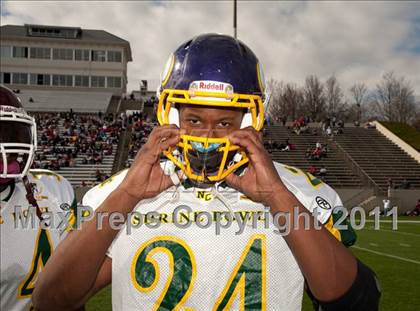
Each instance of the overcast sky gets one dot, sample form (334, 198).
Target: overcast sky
(356, 41)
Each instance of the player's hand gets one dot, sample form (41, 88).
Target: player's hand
(145, 178)
(260, 182)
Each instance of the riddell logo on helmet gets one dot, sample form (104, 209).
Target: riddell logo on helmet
(11, 109)
(211, 86)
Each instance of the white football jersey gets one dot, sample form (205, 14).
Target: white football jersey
(25, 247)
(156, 265)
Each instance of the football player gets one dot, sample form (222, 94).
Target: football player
(25, 194)
(204, 237)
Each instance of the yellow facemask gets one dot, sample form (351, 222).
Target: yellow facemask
(180, 155)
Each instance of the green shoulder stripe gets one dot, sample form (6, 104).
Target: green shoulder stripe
(348, 235)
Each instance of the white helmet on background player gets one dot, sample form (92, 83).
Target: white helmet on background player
(17, 137)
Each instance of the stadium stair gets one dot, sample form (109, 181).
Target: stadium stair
(380, 158)
(339, 175)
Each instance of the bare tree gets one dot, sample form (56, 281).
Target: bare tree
(293, 99)
(394, 99)
(286, 100)
(314, 99)
(275, 109)
(358, 92)
(334, 96)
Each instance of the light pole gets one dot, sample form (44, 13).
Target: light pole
(234, 19)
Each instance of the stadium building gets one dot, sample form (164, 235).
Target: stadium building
(58, 68)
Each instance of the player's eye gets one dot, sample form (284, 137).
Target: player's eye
(224, 124)
(193, 121)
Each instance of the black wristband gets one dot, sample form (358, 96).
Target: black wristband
(364, 294)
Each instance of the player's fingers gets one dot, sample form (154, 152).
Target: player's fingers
(166, 136)
(252, 134)
(162, 133)
(164, 144)
(260, 138)
(234, 181)
(244, 139)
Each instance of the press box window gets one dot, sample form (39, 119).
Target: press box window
(63, 54)
(6, 77)
(114, 82)
(81, 81)
(97, 81)
(98, 56)
(20, 52)
(5, 51)
(41, 53)
(40, 79)
(114, 56)
(62, 80)
(20, 78)
(82, 55)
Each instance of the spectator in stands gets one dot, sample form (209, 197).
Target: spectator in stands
(286, 146)
(316, 154)
(269, 145)
(328, 131)
(415, 211)
(308, 153)
(323, 171)
(284, 120)
(313, 170)
(324, 151)
(405, 184)
(313, 131)
(97, 158)
(325, 124)
(333, 121)
(370, 125)
(98, 176)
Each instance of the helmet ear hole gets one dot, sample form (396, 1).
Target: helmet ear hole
(246, 120)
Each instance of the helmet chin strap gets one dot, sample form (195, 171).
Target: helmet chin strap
(28, 187)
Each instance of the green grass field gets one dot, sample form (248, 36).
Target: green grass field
(393, 255)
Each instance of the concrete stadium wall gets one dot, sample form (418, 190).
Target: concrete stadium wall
(406, 200)
(398, 141)
(352, 197)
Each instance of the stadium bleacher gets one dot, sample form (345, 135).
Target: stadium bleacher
(338, 174)
(380, 158)
(81, 172)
